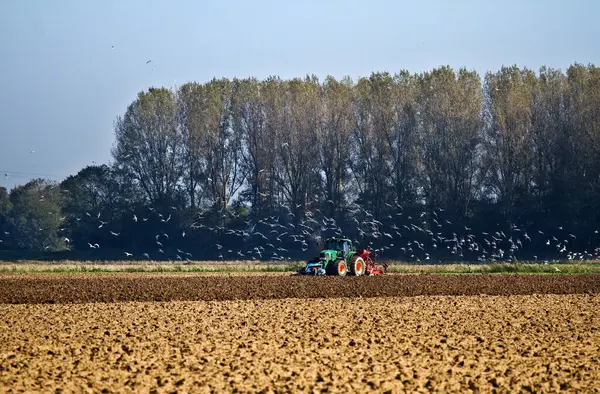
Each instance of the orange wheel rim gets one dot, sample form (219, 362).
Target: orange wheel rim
(342, 267)
(358, 267)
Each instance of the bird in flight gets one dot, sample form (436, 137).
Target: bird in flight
(148, 61)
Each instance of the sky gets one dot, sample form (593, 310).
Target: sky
(62, 84)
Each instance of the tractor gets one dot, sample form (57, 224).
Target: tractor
(340, 258)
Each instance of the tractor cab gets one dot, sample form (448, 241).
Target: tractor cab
(342, 246)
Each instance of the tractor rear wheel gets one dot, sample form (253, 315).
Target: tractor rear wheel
(357, 265)
(338, 268)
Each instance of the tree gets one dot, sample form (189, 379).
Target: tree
(4, 211)
(509, 135)
(250, 120)
(297, 150)
(96, 201)
(149, 145)
(191, 118)
(403, 140)
(334, 142)
(583, 141)
(374, 117)
(271, 90)
(222, 146)
(550, 146)
(450, 138)
(35, 218)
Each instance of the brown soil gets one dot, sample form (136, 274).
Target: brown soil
(55, 288)
(538, 343)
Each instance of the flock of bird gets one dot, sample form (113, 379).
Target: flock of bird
(427, 237)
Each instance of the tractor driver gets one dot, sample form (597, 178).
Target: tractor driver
(346, 248)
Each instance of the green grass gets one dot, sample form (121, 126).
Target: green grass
(498, 268)
(216, 267)
(143, 267)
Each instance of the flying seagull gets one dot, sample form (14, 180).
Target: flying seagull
(148, 61)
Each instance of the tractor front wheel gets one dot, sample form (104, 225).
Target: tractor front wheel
(357, 265)
(338, 268)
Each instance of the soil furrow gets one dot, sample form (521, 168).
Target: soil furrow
(40, 289)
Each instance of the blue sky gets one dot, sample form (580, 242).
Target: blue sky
(62, 84)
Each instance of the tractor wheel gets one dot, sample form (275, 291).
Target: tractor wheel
(357, 266)
(338, 268)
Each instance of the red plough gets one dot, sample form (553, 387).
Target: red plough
(371, 268)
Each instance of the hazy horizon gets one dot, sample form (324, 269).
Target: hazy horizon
(63, 84)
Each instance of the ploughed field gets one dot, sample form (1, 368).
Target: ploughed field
(253, 334)
(56, 288)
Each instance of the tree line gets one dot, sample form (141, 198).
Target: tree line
(454, 152)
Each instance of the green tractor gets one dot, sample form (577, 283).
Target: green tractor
(339, 258)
